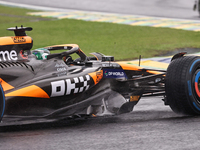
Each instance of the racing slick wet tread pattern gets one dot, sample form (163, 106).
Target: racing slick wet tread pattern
(176, 87)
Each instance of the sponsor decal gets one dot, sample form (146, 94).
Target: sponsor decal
(136, 76)
(99, 75)
(114, 73)
(61, 74)
(59, 65)
(96, 76)
(61, 69)
(8, 55)
(70, 86)
(110, 65)
(18, 39)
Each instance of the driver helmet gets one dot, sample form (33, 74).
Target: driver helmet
(41, 54)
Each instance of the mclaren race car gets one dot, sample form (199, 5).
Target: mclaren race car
(38, 85)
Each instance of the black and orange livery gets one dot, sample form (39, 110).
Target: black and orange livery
(58, 87)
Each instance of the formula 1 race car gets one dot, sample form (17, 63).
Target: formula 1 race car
(38, 85)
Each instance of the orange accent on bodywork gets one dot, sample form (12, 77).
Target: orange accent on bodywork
(154, 72)
(134, 98)
(67, 45)
(126, 66)
(94, 56)
(30, 91)
(5, 85)
(15, 40)
(96, 76)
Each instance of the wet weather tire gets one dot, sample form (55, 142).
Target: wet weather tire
(2, 102)
(183, 85)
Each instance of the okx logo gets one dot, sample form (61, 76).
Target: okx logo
(70, 86)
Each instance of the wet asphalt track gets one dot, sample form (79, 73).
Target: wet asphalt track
(150, 126)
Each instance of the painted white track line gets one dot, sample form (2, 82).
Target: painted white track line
(34, 7)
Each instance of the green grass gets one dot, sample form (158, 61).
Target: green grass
(122, 41)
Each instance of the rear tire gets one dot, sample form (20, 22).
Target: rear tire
(182, 85)
(2, 102)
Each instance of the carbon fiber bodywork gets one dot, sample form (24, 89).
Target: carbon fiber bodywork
(59, 87)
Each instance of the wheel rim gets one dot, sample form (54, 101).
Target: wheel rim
(197, 84)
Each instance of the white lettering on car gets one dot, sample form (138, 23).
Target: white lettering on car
(57, 88)
(13, 55)
(6, 55)
(71, 86)
(61, 69)
(116, 73)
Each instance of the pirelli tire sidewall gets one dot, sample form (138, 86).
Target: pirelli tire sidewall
(182, 79)
(193, 83)
(2, 102)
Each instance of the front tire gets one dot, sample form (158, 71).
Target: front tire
(182, 85)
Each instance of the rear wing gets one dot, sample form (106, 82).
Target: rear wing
(14, 48)
(20, 31)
